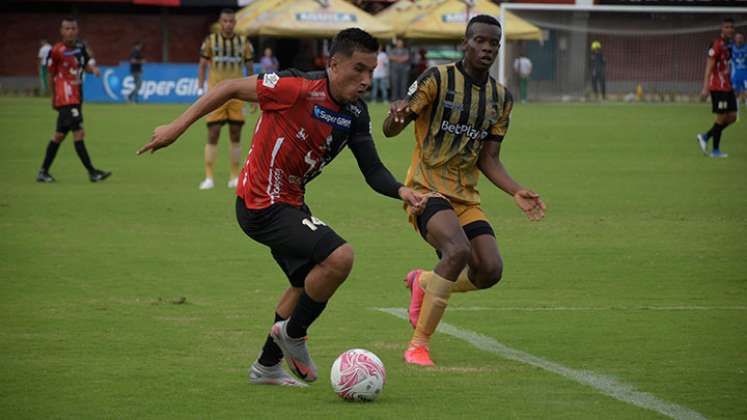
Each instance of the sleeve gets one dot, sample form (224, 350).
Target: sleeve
(362, 145)
(278, 91)
(424, 91)
(205, 51)
(500, 128)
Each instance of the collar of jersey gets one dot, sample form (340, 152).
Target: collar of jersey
(460, 67)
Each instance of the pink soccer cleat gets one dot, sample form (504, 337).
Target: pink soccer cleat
(418, 355)
(412, 282)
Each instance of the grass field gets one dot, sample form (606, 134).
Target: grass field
(638, 273)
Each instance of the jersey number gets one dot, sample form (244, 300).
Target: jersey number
(312, 223)
(75, 112)
(722, 105)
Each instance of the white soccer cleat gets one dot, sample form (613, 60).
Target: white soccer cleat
(272, 375)
(207, 184)
(703, 143)
(233, 182)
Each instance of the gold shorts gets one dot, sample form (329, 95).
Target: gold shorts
(231, 111)
(466, 213)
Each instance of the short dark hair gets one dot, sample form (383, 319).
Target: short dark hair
(349, 40)
(227, 11)
(69, 19)
(490, 20)
(728, 20)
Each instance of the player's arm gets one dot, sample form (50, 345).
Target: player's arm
(421, 96)
(710, 64)
(90, 62)
(243, 89)
(379, 178)
(490, 164)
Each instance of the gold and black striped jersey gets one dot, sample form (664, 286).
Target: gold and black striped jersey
(454, 115)
(227, 56)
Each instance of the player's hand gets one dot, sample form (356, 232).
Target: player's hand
(530, 203)
(399, 110)
(704, 93)
(415, 200)
(96, 71)
(162, 137)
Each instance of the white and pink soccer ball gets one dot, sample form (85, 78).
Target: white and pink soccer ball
(358, 375)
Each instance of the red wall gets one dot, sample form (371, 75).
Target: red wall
(110, 31)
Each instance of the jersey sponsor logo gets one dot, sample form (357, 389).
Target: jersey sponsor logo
(465, 129)
(332, 118)
(453, 105)
(355, 110)
(413, 88)
(270, 80)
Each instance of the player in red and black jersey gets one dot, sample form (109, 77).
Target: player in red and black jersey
(718, 83)
(307, 120)
(66, 63)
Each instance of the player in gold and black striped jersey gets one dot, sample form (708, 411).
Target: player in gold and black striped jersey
(225, 54)
(461, 117)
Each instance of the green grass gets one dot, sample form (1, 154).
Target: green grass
(638, 221)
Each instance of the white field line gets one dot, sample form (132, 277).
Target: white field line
(606, 385)
(598, 308)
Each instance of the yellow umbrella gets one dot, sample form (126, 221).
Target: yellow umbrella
(401, 13)
(448, 20)
(317, 18)
(247, 16)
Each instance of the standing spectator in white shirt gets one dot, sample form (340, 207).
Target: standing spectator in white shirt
(380, 83)
(43, 54)
(523, 67)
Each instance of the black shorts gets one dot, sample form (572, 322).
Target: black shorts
(436, 204)
(298, 240)
(723, 102)
(69, 118)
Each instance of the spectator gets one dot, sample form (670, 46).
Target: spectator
(523, 68)
(43, 55)
(421, 63)
(136, 70)
(598, 64)
(380, 83)
(268, 63)
(399, 67)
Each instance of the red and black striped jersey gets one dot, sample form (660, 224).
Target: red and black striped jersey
(720, 79)
(301, 129)
(66, 66)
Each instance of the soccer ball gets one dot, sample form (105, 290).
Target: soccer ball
(358, 375)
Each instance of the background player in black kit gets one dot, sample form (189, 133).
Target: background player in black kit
(307, 119)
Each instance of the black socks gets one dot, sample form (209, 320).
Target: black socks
(52, 148)
(80, 149)
(307, 310)
(271, 353)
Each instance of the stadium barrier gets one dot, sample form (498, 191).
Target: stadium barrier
(162, 83)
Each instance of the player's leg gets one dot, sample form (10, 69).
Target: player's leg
(726, 107)
(94, 175)
(312, 256)
(211, 153)
(267, 369)
(235, 122)
(445, 234)
(51, 152)
(485, 266)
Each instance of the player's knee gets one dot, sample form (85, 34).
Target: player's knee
(490, 273)
(340, 261)
(58, 137)
(457, 253)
